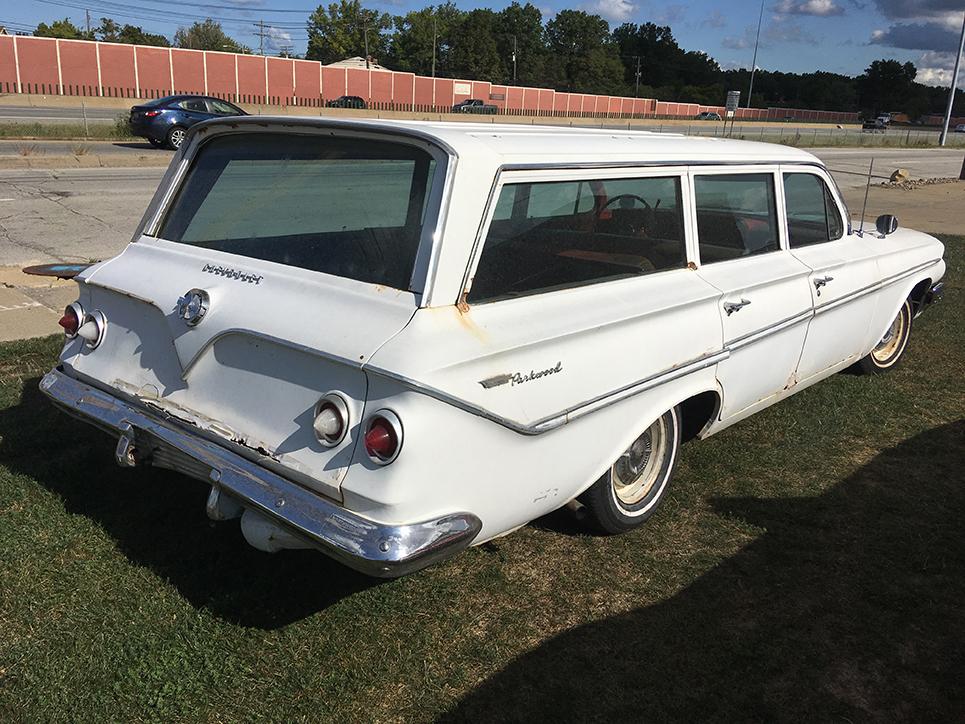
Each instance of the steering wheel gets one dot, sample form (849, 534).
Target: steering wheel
(620, 197)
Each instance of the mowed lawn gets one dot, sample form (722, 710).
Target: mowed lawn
(809, 564)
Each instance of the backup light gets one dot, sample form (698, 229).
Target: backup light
(331, 419)
(92, 329)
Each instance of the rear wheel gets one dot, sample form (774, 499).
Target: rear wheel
(892, 345)
(632, 489)
(176, 137)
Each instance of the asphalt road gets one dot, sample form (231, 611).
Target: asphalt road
(82, 214)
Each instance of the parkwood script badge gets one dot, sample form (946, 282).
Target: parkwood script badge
(518, 378)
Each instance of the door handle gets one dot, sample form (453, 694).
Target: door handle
(821, 281)
(731, 307)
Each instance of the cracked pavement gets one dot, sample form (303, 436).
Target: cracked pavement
(71, 215)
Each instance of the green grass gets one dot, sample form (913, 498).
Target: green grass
(94, 131)
(808, 565)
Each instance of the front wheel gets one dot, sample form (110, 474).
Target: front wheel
(176, 137)
(630, 491)
(891, 347)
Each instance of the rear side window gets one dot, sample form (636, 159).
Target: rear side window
(812, 214)
(340, 206)
(557, 235)
(194, 104)
(736, 215)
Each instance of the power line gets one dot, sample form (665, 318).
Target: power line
(121, 10)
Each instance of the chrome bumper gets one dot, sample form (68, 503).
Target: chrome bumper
(376, 549)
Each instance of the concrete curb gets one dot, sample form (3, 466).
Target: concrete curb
(85, 161)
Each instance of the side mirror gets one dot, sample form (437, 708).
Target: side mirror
(886, 224)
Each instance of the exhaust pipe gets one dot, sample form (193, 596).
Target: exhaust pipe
(267, 536)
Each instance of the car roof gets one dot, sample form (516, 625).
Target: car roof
(528, 144)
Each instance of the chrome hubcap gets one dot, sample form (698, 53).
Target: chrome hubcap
(890, 343)
(177, 138)
(637, 470)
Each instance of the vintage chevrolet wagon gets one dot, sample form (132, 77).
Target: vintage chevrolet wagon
(390, 341)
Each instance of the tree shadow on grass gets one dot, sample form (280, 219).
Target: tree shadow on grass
(848, 607)
(157, 519)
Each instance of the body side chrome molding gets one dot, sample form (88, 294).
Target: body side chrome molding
(574, 412)
(863, 291)
(612, 397)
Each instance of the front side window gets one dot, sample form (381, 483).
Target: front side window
(736, 215)
(812, 214)
(555, 235)
(340, 206)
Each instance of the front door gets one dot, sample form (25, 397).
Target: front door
(765, 302)
(843, 274)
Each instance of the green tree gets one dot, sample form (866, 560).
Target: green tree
(342, 30)
(524, 23)
(415, 33)
(62, 29)
(474, 55)
(885, 85)
(662, 61)
(134, 35)
(207, 35)
(587, 61)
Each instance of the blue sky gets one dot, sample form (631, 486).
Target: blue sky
(842, 36)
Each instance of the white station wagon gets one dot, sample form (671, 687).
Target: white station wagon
(390, 341)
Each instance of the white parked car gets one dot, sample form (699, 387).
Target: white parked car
(390, 341)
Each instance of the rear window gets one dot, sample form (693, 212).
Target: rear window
(348, 207)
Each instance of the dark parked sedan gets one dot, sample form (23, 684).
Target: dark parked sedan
(347, 102)
(165, 121)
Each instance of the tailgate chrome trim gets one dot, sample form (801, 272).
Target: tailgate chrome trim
(376, 549)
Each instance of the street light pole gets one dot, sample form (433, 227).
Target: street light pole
(514, 58)
(951, 92)
(636, 89)
(366, 32)
(434, 42)
(757, 42)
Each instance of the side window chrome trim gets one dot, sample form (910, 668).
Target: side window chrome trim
(832, 186)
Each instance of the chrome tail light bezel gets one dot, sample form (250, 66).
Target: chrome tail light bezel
(337, 401)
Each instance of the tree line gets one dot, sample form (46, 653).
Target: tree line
(575, 51)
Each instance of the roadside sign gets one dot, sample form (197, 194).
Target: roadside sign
(733, 101)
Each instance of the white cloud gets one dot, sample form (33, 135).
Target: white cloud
(616, 11)
(821, 8)
(278, 39)
(936, 68)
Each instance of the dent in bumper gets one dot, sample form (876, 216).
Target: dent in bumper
(377, 549)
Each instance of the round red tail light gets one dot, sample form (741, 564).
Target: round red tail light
(73, 316)
(383, 437)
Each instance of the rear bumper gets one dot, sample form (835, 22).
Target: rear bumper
(934, 294)
(374, 548)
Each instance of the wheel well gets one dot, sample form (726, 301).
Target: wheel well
(696, 412)
(917, 295)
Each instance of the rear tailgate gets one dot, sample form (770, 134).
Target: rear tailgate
(274, 340)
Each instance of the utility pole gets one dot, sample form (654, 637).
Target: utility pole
(757, 42)
(433, 42)
(951, 92)
(87, 12)
(365, 32)
(515, 48)
(636, 90)
(261, 36)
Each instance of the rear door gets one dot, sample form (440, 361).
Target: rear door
(844, 272)
(765, 303)
(195, 110)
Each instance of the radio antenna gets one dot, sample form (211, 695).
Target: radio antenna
(867, 188)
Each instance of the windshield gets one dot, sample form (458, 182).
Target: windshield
(344, 206)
